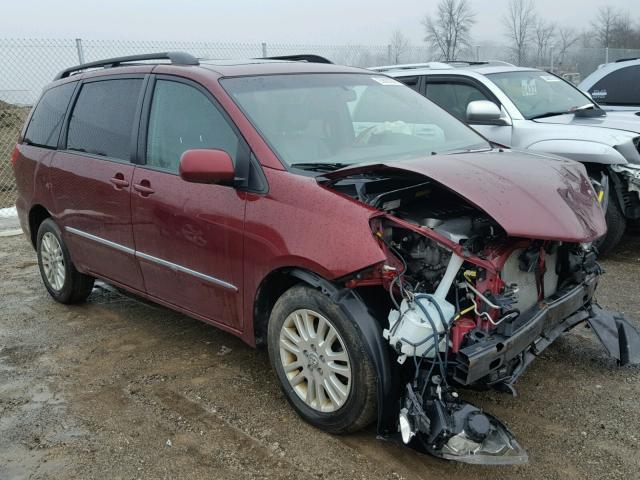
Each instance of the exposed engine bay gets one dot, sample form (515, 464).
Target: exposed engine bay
(470, 306)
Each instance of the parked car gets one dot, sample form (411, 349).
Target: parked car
(533, 110)
(615, 86)
(329, 213)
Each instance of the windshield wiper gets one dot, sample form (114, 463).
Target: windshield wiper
(550, 114)
(320, 166)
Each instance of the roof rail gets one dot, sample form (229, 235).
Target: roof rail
(301, 58)
(486, 63)
(176, 58)
(411, 66)
(627, 59)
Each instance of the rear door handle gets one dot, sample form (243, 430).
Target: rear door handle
(119, 181)
(143, 188)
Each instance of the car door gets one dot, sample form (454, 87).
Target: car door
(91, 177)
(188, 236)
(454, 94)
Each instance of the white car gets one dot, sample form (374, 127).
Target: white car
(533, 110)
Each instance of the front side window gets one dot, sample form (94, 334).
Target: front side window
(454, 97)
(48, 116)
(344, 119)
(539, 94)
(621, 87)
(102, 119)
(183, 118)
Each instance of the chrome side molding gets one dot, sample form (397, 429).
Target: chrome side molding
(152, 259)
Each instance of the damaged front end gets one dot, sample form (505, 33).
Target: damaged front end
(470, 305)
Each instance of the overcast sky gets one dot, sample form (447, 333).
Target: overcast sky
(301, 21)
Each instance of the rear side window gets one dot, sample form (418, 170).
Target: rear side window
(621, 87)
(46, 121)
(102, 119)
(183, 118)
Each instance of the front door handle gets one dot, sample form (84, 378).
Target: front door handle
(143, 188)
(119, 181)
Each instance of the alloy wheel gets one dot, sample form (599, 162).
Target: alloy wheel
(52, 261)
(315, 360)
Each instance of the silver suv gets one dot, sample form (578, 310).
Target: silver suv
(526, 108)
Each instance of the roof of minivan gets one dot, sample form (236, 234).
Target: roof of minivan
(258, 66)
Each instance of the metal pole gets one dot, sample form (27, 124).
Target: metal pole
(606, 55)
(264, 49)
(80, 51)
(551, 61)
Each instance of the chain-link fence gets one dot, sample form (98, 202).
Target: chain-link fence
(27, 65)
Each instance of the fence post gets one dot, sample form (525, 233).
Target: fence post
(80, 51)
(264, 49)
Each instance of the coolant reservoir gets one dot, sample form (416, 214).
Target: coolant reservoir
(422, 321)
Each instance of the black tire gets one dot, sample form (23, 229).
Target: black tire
(616, 226)
(77, 286)
(360, 407)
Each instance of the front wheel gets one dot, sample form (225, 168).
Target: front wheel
(616, 226)
(63, 282)
(321, 362)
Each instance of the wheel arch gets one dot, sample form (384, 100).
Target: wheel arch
(37, 215)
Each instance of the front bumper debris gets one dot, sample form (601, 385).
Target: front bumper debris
(619, 337)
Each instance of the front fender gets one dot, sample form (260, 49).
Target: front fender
(580, 150)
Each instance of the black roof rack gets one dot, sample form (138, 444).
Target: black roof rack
(301, 58)
(176, 58)
(627, 59)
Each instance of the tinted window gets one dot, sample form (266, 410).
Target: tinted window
(411, 82)
(621, 87)
(102, 119)
(454, 97)
(46, 121)
(183, 118)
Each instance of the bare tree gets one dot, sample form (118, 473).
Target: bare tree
(604, 25)
(448, 32)
(398, 44)
(543, 34)
(520, 21)
(567, 38)
(622, 34)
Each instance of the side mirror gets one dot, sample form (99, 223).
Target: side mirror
(206, 166)
(484, 112)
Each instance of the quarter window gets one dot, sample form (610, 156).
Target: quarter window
(102, 119)
(46, 121)
(183, 118)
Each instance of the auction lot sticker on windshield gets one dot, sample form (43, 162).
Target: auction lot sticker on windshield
(386, 81)
(549, 78)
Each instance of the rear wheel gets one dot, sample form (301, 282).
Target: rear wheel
(321, 362)
(63, 282)
(616, 226)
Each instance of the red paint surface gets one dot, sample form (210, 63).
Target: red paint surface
(529, 196)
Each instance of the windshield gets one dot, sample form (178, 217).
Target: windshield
(539, 94)
(320, 121)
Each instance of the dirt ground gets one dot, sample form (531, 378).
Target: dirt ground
(119, 389)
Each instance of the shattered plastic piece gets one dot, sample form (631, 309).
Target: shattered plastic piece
(168, 443)
(617, 334)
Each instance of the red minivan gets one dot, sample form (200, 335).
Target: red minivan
(385, 253)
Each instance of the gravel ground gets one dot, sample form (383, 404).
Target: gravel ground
(117, 388)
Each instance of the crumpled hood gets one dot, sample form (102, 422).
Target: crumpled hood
(529, 195)
(626, 121)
